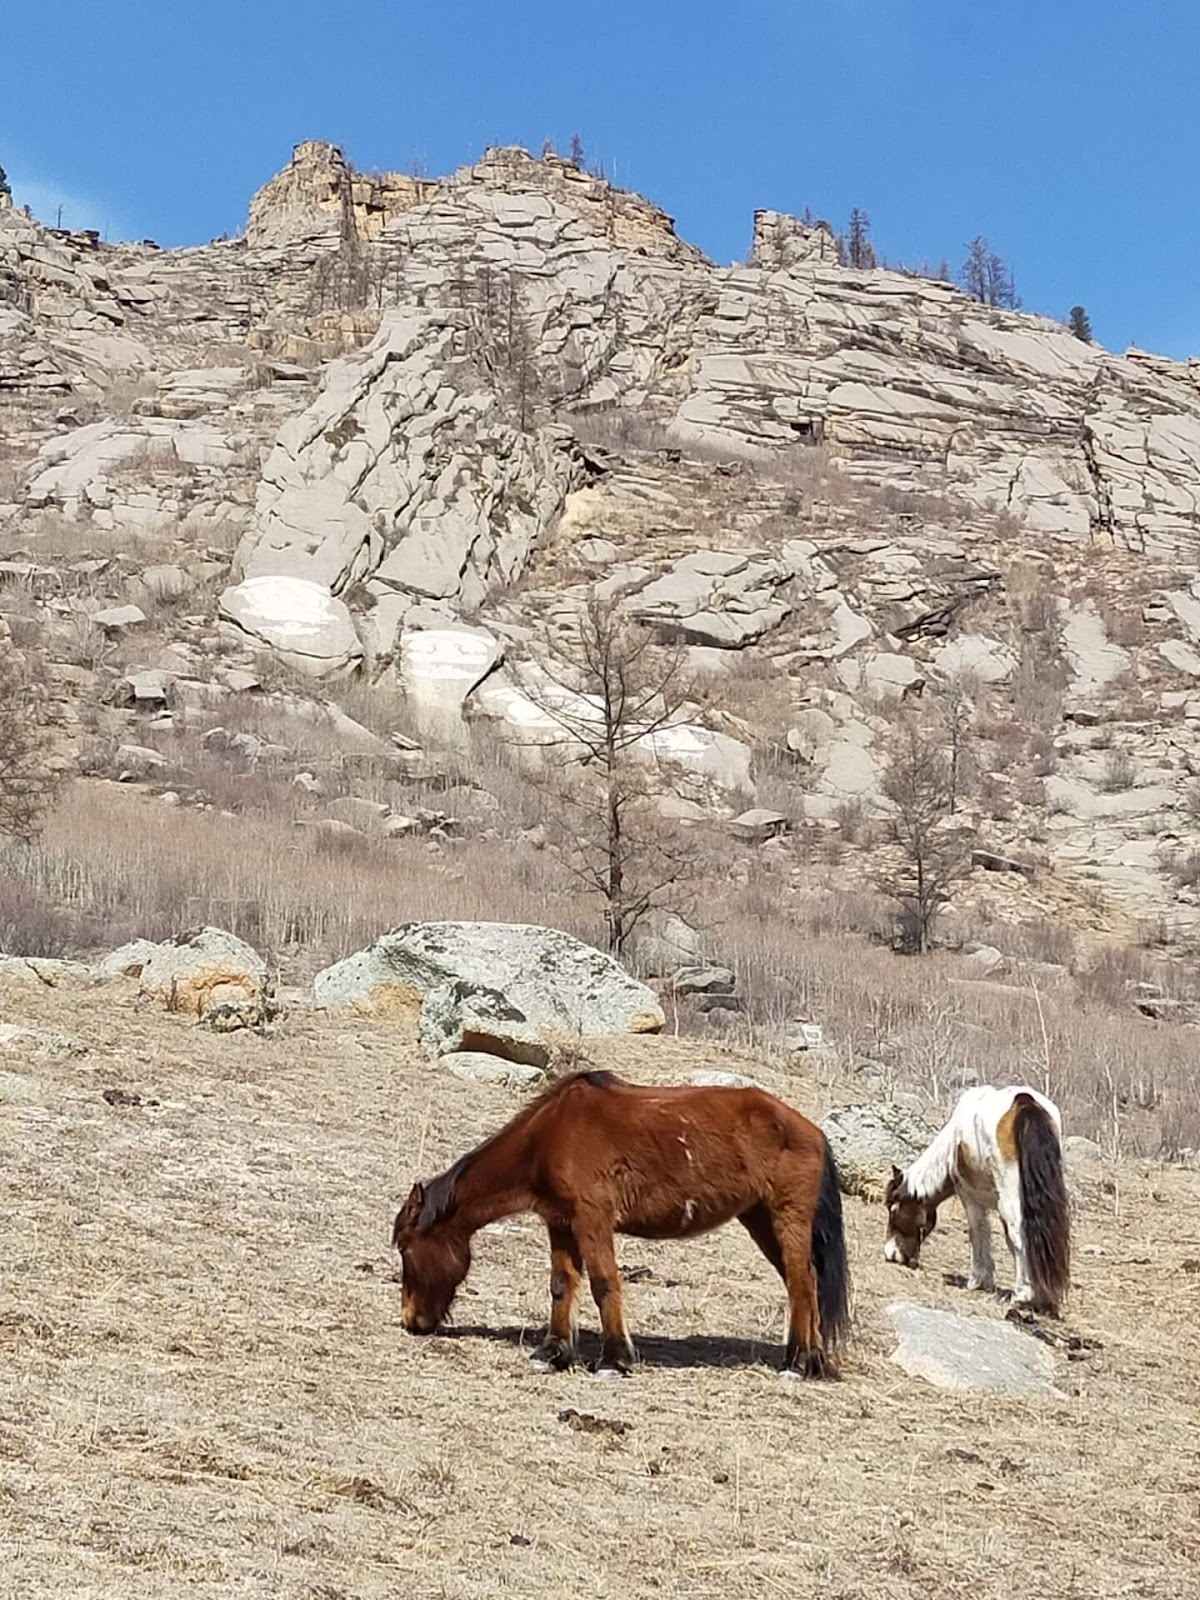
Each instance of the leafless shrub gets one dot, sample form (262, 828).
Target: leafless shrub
(933, 852)
(1119, 773)
(620, 428)
(30, 778)
(610, 690)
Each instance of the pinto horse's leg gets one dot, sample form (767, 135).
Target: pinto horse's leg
(596, 1241)
(557, 1349)
(983, 1270)
(1014, 1233)
(803, 1356)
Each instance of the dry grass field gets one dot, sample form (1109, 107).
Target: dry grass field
(205, 1391)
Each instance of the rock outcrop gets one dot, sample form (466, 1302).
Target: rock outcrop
(199, 972)
(501, 988)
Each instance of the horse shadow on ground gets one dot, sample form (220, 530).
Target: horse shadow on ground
(699, 1350)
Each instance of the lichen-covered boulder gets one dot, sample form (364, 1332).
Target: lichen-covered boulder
(867, 1140)
(508, 989)
(198, 971)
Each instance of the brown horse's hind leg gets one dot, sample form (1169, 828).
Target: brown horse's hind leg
(803, 1356)
(757, 1223)
(596, 1241)
(557, 1349)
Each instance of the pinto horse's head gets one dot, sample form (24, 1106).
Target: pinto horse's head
(434, 1258)
(910, 1222)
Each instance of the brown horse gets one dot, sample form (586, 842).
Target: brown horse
(595, 1156)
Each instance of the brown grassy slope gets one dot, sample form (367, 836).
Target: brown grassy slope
(204, 1390)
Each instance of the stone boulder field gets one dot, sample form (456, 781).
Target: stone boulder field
(207, 1391)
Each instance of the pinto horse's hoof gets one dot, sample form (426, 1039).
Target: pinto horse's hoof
(608, 1370)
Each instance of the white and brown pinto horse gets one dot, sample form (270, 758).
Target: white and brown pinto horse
(1000, 1151)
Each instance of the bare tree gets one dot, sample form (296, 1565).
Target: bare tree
(953, 707)
(986, 277)
(611, 690)
(934, 852)
(29, 780)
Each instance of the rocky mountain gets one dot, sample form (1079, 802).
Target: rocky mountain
(401, 427)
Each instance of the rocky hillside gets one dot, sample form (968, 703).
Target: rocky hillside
(370, 456)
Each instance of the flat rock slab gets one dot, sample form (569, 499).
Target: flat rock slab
(968, 1353)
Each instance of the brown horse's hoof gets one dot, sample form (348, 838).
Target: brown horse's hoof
(810, 1364)
(552, 1357)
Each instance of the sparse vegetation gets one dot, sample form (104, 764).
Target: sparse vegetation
(986, 277)
(919, 788)
(30, 778)
(612, 692)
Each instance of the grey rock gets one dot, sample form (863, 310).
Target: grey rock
(135, 760)
(703, 980)
(196, 972)
(1078, 1149)
(668, 943)
(42, 1044)
(148, 689)
(48, 972)
(758, 825)
(508, 988)
(478, 1066)
(867, 1139)
(296, 616)
(114, 619)
(984, 960)
(969, 1353)
(125, 962)
(711, 1079)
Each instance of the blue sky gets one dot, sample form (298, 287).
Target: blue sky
(1065, 131)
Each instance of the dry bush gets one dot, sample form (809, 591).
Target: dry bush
(620, 428)
(129, 867)
(1183, 868)
(1120, 772)
(1118, 1076)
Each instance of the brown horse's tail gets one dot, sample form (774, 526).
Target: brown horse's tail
(829, 1258)
(1045, 1211)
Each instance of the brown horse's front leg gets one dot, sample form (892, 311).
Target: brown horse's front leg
(599, 1252)
(557, 1349)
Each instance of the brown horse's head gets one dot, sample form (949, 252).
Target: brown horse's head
(435, 1260)
(910, 1222)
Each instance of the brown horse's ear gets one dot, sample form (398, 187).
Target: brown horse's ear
(896, 1173)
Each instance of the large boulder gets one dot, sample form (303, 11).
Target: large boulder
(507, 989)
(968, 1353)
(867, 1140)
(297, 616)
(198, 972)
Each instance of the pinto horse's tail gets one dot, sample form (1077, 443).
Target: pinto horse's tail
(1045, 1211)
(829, 1258)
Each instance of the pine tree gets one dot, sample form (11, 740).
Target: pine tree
(576, 153)
(1080, 324)
(5, 186)
(859, 251)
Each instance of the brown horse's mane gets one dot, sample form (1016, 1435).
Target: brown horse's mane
(441, 1193)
